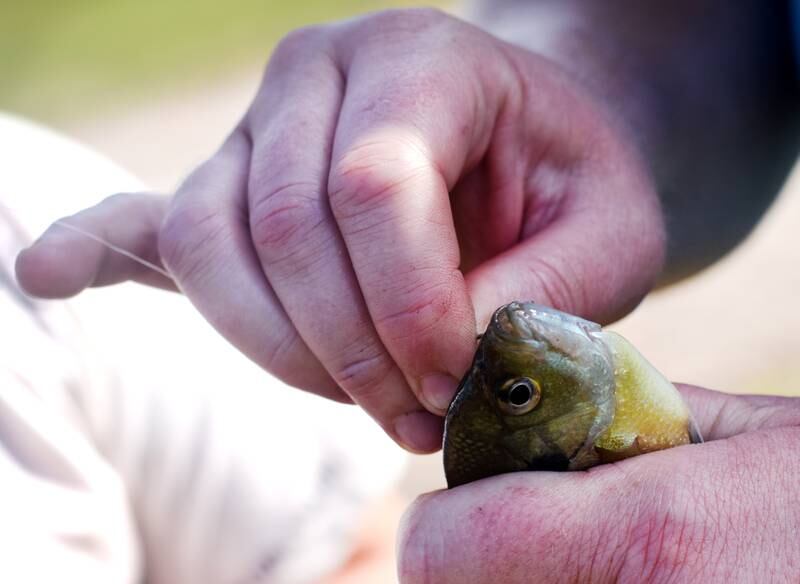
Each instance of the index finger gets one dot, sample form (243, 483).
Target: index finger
(400, 146)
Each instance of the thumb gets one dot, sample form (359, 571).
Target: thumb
(624, 518)
(592, 239)
(721, 415)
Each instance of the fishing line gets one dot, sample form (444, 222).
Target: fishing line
(115, 248)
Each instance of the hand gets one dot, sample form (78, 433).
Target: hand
(397, 177)
(726, 510)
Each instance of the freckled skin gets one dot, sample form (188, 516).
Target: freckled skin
(577, 370)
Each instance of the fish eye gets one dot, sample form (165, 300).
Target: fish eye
(519, 396)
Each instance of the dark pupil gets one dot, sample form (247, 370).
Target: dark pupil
(520, 394)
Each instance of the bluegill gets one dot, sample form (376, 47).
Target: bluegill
(551, 391)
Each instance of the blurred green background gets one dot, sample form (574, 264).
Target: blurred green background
(64, 58)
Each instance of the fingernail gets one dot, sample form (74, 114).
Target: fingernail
(419, 432)
(438, 391)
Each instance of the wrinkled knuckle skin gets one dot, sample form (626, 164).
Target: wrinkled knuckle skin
(419, 314)
(284, 219)
(362, 377)
(187, 240)
(359, 181)
(372, 172)
(281, 357)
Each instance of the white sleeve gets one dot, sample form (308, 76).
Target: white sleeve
(65, 514)
(231, 476)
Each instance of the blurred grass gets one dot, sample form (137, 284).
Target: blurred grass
(66, 57)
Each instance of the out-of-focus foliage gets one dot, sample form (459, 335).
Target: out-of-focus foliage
(64, 57)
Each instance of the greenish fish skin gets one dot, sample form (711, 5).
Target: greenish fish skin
(539, 394)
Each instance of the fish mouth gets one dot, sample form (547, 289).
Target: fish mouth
(528, 321)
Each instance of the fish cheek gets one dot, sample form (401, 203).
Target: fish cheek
(562, 422)
(558, 395)
(531, 450)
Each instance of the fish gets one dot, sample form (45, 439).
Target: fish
(554, 392)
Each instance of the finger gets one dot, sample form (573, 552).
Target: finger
(205, 242)
(297, 241)
(400, 145)
(658, 516)
(591, 237)
(81, 251)
(578, 264)
(721, 415)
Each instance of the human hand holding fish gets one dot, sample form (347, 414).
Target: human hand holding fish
(396, 178)
(722, 511)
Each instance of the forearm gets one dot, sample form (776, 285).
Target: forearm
(705, 88)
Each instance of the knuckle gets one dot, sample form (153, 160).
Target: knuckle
(283, 219)
(296, 48)
(360, 179)
(298, 40)
(422, 308)
(282, 354)
(188, 239)
(285, 355)
(374, 171)
(363, 376)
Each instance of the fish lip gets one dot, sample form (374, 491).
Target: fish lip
(522, 330)
(497, 329)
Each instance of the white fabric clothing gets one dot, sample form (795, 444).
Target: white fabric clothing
(135, 444)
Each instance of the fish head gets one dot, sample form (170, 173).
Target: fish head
(539, 390)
